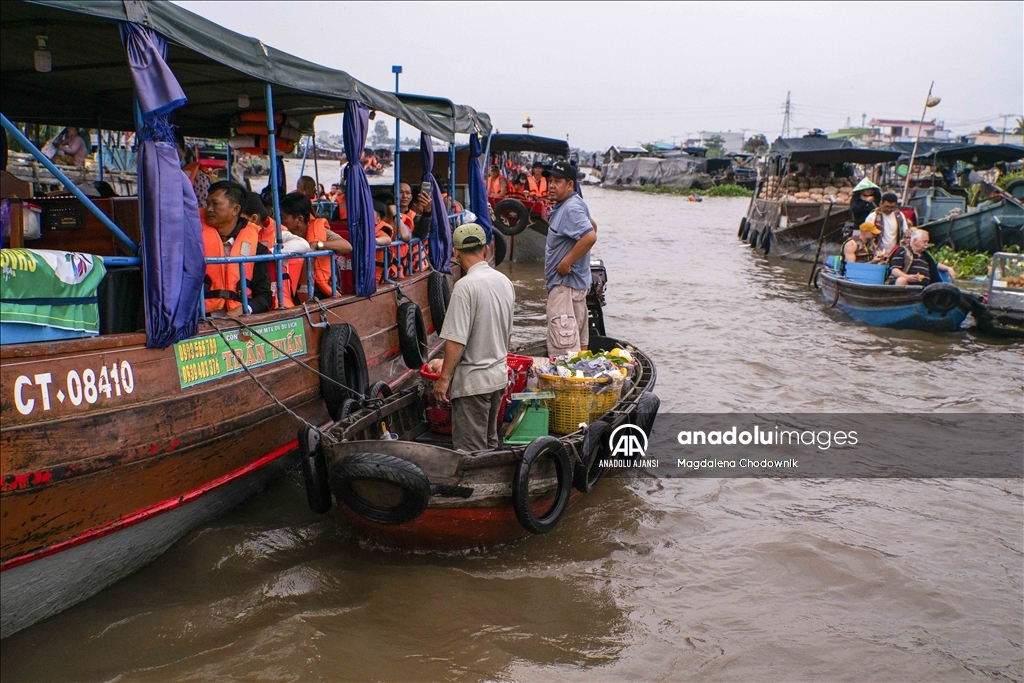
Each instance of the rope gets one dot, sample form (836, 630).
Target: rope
(275, 399)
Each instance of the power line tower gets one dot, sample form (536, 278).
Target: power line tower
(785, 120)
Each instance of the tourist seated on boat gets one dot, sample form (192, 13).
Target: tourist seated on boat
(200, 176)
(71, 148)
(307, 186)
(256, 211)
(228, 232)
(862, 247)
(416, 210)
(890, 221)
(536, 183)
(338, 192)
(297, 216)
(496, 185)
(865, 199)
(517, 186)
(384, 232)
(911, 264)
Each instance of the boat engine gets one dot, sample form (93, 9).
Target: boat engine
(595, 297)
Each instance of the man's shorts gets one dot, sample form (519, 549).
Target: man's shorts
(568, 320)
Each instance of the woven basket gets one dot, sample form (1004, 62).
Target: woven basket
(577, 399)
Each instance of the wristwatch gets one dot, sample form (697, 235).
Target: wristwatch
(319, 244)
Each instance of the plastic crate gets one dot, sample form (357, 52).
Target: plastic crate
(866, 273)
(577, 399)
(518, 374)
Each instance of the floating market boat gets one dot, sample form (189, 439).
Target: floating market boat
(993, 225)
(116, 441)
(939, 307)
(411, 490)
(804, 196)
(524, 221)
(1001, 312)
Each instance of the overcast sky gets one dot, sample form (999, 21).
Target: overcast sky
(621, 73)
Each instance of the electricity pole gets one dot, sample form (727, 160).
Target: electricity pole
(785, 120)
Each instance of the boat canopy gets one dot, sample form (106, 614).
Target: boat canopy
(979, 155)
(511, 142)
(90, 85)
(468, 121)
(819, 150)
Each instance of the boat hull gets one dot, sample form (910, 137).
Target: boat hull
(73, 474)
(796, 238)
(887, 305)
(974, 230)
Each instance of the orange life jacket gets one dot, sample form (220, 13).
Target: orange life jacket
(494, 186)
(342, 207)
(538, 188)
(322, 265)
(385, 229)
(225, 277)
(292, 270)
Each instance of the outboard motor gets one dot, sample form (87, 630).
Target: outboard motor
(595, 297)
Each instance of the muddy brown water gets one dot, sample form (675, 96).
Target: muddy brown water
(711, 579)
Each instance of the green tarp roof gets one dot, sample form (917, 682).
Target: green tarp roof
(90, 81)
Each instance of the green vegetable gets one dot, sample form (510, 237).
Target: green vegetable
(967, 264)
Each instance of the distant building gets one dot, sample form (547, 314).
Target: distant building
(616, 155)
(731, 142)
(860, 136)
(903, 130)
(990, 136)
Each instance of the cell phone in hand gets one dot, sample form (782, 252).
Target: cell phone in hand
(425, 189)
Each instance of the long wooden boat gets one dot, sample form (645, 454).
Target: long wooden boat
(989, 227)
(803, 196)
(416, 492)
(939, 307)
(111, 450)
(1000, 313)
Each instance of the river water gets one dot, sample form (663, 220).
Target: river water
(706, 579)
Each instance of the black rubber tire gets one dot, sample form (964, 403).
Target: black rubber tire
(753, 238)
(941, 297)
(342, 359)
(379, 389)
(766, 242)
(595, 447)
(412, 335)
(646, 410)
(438, 296)
(539, 447)
(348, 406)
(743, 226)
(500, 248)
(508, 210)
(387, 469)
(314, 471)
(1015, 188)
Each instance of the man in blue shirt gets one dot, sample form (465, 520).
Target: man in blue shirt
(571, 235)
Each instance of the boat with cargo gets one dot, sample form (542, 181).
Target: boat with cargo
(803, 195)
(129, 418)
(394, 476)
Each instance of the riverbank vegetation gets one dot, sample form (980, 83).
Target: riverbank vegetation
(716, 191)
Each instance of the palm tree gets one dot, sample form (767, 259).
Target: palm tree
(1019, 130)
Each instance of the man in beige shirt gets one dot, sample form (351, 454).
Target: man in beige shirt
(477, 329)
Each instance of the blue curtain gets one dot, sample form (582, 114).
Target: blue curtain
(440, 237)
(477, 188)
(172, 234)
(359, 200)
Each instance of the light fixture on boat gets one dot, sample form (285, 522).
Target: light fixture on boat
(41, 58)
(243, 100)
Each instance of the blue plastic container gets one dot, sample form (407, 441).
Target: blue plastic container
(866, 273)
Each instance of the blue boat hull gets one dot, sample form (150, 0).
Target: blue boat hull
(887, 305)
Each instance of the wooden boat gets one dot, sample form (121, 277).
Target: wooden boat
(524, 221)
(939, 307)
(989, 227)
(1001, 312)
(791, 210)
(111, 450)
(416, 492)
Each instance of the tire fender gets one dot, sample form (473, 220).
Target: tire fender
(412, 335)
(595, 447)
(508, 210)
(539, 447)
(314, 471)
(383, 469)
(343, 361)
(500, 248)
(438, 296)
(941, 297)
(646, 410)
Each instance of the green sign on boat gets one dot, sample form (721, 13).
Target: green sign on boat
(202, 359)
